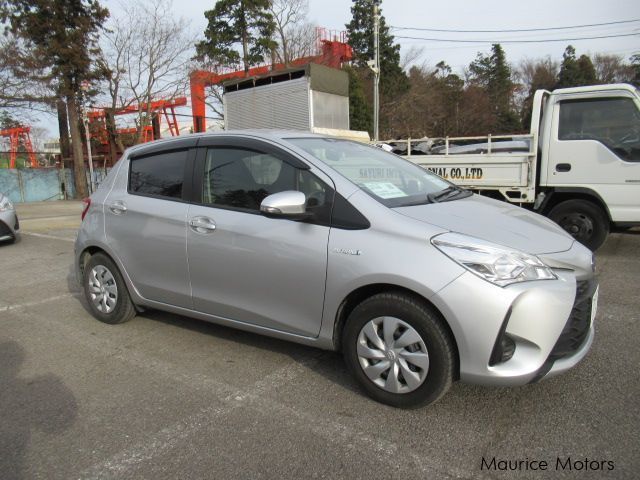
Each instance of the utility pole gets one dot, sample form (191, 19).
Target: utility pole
(92, 184)
(376, 69)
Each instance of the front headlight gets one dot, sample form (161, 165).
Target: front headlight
(5, 204)
(496, 264)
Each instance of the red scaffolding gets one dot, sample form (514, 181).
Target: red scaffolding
(164, 107)
(17, 136)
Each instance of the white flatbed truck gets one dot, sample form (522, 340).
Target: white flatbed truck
(579, 165)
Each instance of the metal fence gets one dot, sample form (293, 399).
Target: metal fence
(42, 184)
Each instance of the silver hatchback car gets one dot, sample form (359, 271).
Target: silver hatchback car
(339, 245)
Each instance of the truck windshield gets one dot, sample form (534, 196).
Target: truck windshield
(391, 180)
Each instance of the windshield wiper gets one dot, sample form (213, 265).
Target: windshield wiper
(449, 192)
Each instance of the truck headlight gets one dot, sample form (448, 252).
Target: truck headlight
(494, 263)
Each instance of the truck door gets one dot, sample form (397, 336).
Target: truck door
(595, 145)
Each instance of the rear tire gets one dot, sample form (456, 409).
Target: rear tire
(583, 220)
(399, 351)
(106, 292)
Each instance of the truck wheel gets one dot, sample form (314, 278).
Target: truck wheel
(398, 350)
(584, 220)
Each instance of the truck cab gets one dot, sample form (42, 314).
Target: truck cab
(589, 170)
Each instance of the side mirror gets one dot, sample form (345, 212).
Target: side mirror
(288, 204)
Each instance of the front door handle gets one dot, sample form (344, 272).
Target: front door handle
(202, 225)
(118, 207)
(563, 167)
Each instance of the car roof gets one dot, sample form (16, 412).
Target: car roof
(265, 134)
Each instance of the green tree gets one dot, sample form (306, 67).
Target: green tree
(569, 75)
(393, 80)
(587, 71)
(394, 83)
(360, 114)
(231, 22)
(448, 88)
(493, 74)
(7, 120)
(65, 32)
(575, 72)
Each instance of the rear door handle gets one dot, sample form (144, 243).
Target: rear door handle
(563, 167)
(118, 207)
(202, 225)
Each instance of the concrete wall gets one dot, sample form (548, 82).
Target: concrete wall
(41, 184)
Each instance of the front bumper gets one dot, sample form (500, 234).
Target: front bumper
(577, 336)
(548, 322)
(9, 225)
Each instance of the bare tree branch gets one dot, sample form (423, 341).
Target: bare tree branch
(149, 58)
(295, 36)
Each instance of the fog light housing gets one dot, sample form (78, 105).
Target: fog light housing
(503, 350)
(505, 346)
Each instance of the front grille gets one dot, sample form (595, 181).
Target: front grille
(577, 328)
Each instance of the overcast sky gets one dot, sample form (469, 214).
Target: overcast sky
(471, 15)
(482, 15)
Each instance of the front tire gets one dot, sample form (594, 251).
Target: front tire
(399, 351)
(106, 292)
(583, 220)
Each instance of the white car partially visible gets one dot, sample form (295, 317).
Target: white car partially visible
(9, 225)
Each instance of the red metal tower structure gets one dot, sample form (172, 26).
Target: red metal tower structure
(333, 52)
(166, 107)
(16, 136)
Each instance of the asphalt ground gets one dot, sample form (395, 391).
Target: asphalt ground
(167, 397)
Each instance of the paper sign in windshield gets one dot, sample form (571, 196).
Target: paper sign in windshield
(385, 189)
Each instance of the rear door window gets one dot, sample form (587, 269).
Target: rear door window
(158, 175)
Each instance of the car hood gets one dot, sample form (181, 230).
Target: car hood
(495, 221)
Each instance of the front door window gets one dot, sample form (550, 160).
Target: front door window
(614, 122)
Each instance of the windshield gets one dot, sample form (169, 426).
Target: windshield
(391, 180)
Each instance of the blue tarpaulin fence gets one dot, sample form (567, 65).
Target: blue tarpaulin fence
(41, 184)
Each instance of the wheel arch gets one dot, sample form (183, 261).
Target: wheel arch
(560, 194)
(86, 254)
(89, 251)
(360, 294)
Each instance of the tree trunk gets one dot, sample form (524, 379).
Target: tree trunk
(242, 24)
(63, 126)
(245, 52)
(285, 49)
(112, 136)
(76, 143)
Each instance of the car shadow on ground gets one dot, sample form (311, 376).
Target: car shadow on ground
(327, 363)
(43, 403)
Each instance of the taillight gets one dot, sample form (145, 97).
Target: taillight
(85, 209)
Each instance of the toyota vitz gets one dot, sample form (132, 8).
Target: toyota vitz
(339, 245)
